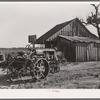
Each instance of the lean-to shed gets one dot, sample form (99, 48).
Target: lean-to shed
(79, 48)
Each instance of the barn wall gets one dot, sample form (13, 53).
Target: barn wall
(79, 51)
(75, 29)
(72, 29)
(68, 49)
(87, 52)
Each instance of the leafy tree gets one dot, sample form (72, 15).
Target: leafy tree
(94, 18)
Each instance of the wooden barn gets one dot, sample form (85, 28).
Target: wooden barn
(75, 41)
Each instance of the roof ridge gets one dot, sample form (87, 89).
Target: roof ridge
(86, 28)
(55, 29)
(66, 22)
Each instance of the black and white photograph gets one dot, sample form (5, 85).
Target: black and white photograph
(50, 45)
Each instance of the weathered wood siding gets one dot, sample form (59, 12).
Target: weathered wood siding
(72, 29)
(79, 51)
(87, 52)
(68, 49)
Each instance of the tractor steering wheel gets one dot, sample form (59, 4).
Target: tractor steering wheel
(28, 47)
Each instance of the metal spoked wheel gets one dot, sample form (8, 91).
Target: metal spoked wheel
(41, 69)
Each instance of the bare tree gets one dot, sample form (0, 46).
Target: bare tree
(94, 19)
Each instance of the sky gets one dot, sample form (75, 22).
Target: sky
(18, 20)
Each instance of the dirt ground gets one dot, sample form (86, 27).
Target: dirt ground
(84, 75)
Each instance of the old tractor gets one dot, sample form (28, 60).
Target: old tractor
(37, 63)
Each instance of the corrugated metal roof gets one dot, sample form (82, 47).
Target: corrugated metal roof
(80, 39)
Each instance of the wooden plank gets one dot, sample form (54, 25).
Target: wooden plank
(82, 52)
(76, 52)
(90, 52)
(99, 52)
(79, 53)
(93, 52)
(96, 53)
(85, 52)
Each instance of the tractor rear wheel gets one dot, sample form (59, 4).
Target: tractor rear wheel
(41, 69)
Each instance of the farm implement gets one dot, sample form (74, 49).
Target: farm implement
(34, 63)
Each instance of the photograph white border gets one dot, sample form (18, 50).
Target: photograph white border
(49, 93)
